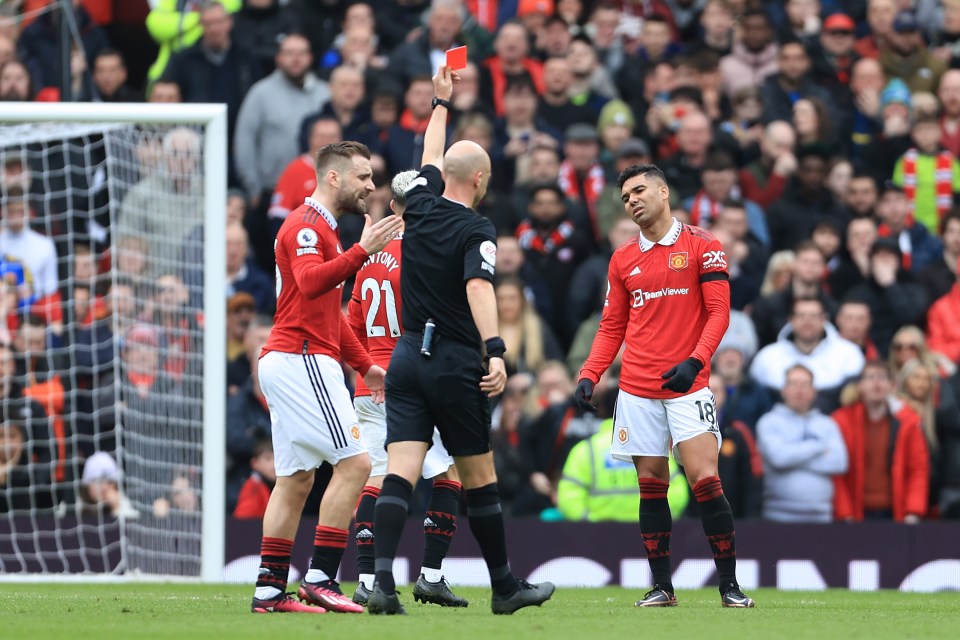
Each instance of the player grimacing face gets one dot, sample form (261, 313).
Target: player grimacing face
(356, 184)
(644, 199)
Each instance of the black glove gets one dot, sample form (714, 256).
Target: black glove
(680, 377)
(583, 394)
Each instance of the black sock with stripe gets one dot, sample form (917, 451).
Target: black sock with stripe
(486, 522)
(391, 514)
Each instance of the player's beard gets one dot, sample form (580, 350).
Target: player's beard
(352, 202)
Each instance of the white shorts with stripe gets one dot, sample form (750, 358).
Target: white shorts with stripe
(648, 427)
(311, 413)
(373, 429)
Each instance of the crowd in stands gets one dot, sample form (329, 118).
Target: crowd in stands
(817, 139)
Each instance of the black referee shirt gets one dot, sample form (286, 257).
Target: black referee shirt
(444, 245)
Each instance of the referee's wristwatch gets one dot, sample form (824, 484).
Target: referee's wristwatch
(442, 102)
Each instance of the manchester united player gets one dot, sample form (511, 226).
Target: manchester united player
(302, 380)
(668, 292)
(374, 316)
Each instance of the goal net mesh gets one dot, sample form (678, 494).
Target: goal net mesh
(101, 253)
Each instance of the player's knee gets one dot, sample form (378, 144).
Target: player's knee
(299, 484)
(474, 475)
(355, 467)
(450, 474)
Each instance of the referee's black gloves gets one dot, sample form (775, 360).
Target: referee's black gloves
(680, 377)
(583, 394)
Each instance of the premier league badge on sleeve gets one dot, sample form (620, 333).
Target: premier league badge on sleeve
(307, 237)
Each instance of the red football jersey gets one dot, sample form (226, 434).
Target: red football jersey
(311, 268)
(295, 184)
(671, 300)
(374, 311)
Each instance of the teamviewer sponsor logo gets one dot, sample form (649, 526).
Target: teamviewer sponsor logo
(640, 297)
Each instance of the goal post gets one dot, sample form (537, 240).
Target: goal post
(17, 119)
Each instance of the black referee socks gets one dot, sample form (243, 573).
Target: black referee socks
(390, 516)
(486, 523)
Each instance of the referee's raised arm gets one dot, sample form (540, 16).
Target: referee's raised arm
(435, 137)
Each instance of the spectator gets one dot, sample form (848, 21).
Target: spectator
(939, 276)
(745, 121)
(581, 176)
(907, 57)
(615, 126)
(100, 488)
(39, 44)
(259, 26)
(422, 56)
(255, 492)
(943, 332)
(764, 179)
(15, 82)
(745, 400)
(592, 85)
(854, 266)
(863, 121)
(182, 496)
(34, 250)
(245, 276)
(949, 94)
(880, 17)
(746, 255)
(466, 93)
(555, 106)
(110, 79)
(718, 175)
(888, 475)
(862, 196)
(739, 465)
(880, 156)
(909, 343)
(555, 38)
(853, 324)
(812, 341)
(935, 401)
(928, 174)
(404, 141)
(268, 123)
(682, 170)
(812, 124)
(754, 55)
(771, 311)
(895, 300)
(918, 247)
(240, 313)
(802, 451)
(528, 338)
(509, 422)
(832, 58)
(805, 202)
(779, 90)
(176, 326)
(547, 441)
(175, 25)
(716, 29)
(215, 69)
(518, 131)
(553, 248)
(609, 206)
(164, 92)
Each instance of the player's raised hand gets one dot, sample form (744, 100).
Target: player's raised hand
(443, 82)
(374, 380)
(493, 383)
(584, 394)
(376, 236)
(680, 377)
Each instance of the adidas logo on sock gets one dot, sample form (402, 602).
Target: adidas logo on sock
(427, 522)
(364, 533)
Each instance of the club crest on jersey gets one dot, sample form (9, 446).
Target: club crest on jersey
(355, 433)
(623, 436)
(307, 237)
(714, 260)
(678, 261)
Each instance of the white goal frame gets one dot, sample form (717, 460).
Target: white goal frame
(214, 119)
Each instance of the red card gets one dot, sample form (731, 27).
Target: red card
(457, 58)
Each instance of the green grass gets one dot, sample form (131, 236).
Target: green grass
(117, 612)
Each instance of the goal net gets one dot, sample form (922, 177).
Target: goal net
(112, 343)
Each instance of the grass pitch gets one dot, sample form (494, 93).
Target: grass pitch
(117, 612)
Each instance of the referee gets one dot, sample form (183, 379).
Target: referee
(437, 374)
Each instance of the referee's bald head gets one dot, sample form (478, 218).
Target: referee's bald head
(467, 164)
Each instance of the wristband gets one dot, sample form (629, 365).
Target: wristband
(496, 347)
(441, 102)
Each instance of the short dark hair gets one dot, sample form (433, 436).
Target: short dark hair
(877, 364)
(110, 53)
(340, 152)
(547, 186)
(651, 170)
(756, 13)
(799, 367)
(953, 214)
(802, 299)
(521, 82)
(13, 194)
(657, 17)
(719, 161)
(806, 245)
(734, 203)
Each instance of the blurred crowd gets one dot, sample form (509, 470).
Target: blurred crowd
(818, 140)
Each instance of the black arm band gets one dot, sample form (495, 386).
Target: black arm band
(496, 347)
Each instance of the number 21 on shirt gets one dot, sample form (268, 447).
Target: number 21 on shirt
(371, 289)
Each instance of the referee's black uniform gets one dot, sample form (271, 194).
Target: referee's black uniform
(445, 244)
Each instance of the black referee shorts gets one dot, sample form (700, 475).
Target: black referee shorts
(442, 391)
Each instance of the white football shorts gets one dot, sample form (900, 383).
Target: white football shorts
(373, 428)
(312, 418)
(648, 427)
